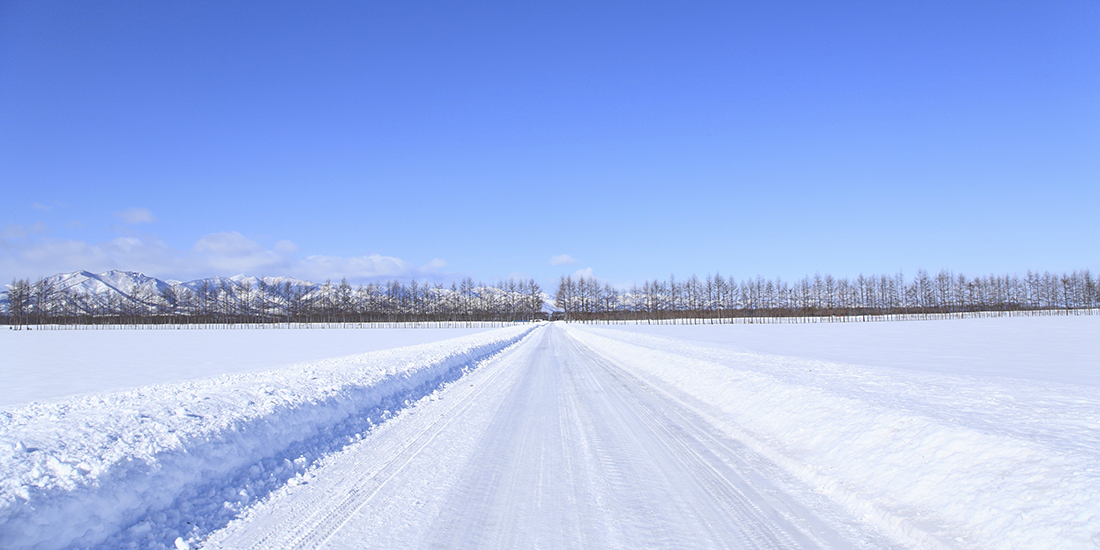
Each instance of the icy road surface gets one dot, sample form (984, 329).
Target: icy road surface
(548, 446)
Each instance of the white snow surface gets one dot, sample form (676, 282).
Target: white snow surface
(546, 446)
(981, 433)
(959, 434)
(49, 365)
(1054, 348)
(139, 467)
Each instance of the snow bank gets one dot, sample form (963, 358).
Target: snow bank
(139, 468)
(936, 460)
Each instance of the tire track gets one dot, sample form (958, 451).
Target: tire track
(556, 446)
(356, 477)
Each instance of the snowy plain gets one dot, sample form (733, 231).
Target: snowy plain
(49, 365)
(968, 433)
(1055, 348)
(962, 434)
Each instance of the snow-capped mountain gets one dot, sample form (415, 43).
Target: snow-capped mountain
(120, 292)
(122, 282)
(135, 285)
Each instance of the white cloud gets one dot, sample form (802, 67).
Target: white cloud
(136, 215)
(285, 247)
(587, 273)
(562, 259)
(42, 207)
(231, 253)
(435, 265)
(222, 253)
(13, 231)
(127, 244)
(46, 257)
(226, 243)
(316, 268)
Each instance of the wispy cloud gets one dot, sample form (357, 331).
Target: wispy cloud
(136, 215)
(358, 267)
(231, 252)
(587, 273)
(562, 259)
(24, 254)
(15, 231)
(435, 265)
(285, 247)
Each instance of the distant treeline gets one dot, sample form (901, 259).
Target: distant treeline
(715, 298)
(718, 297)
(44, 302)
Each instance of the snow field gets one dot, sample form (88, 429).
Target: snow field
(128, 468)
(934, 460)
(50, 365)
(1057, 348)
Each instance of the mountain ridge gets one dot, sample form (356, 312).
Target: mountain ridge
(141, 290)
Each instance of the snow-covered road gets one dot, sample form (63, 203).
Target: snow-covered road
(549, 446)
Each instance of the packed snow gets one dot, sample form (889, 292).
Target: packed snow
(547, 446)
(139, 467)
(977, 433)
(963, 434)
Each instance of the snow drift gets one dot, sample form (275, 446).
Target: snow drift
(935, 460)
(131, 468)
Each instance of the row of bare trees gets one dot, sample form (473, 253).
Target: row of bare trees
(225, 301)
(228, 301)
(718, 297)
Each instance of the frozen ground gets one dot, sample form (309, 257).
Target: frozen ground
(1052, 349)
(549, 446)
(47, 365)
(590, 436)
(979, 433)
(138, 468)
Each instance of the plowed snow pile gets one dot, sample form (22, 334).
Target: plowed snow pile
(936, 460)
(132, 468)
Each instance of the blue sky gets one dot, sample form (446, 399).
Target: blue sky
(628, 140)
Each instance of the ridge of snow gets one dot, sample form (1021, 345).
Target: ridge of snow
(170, 460)
(936, 460)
